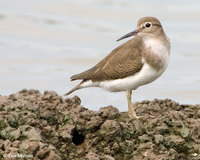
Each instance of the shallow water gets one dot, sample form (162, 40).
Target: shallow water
(43, 43)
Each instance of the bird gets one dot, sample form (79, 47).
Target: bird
(135, 63)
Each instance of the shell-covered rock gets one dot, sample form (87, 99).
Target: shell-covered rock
(46, 126)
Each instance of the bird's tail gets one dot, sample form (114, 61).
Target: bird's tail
(74, 89)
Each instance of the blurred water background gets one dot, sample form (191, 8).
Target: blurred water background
(43, 43)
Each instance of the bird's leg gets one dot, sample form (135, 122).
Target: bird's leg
(131, 111)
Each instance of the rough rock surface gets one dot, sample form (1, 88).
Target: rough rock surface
(46, 126)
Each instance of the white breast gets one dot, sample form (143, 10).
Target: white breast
(159, 49)
(146, 75)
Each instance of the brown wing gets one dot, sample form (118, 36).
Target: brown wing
(123, 61)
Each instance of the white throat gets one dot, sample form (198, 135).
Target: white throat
(159, 48)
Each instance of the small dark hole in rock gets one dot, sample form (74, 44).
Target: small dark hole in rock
(3, 148)
(77, 138)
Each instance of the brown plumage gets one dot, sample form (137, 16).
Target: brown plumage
(115, 65)
(123, 61)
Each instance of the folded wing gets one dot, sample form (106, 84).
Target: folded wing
(124, 61)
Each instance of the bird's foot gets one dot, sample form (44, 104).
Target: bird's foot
(131, 109)
(132, 113)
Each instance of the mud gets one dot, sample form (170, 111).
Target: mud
(46, 126)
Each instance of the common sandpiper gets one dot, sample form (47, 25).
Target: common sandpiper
(134, 63)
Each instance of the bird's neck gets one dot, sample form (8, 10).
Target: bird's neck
(157, 50)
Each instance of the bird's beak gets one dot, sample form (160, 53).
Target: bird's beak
(133, 33)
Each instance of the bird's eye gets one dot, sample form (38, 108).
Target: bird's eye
(148, 24)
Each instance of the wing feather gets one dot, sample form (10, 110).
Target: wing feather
(123, 61)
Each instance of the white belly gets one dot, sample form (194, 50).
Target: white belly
(146, 75)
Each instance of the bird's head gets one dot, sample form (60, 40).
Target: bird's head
(146, 26)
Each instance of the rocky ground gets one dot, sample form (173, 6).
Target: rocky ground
(46, 126)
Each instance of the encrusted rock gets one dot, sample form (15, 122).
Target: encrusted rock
(53, 156)
(46, 126)
(91, 156)
(158, 138)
